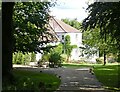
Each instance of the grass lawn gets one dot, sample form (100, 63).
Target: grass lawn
(74, 65)
(27, 80)
(108, 74)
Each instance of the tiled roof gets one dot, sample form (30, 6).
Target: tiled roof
(60, 26)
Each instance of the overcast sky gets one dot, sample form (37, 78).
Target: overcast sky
(70, 9)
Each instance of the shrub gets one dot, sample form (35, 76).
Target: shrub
(20, 58)
(63, 57)
(27, 59)
(55, 59)
(45, 57)
(99, 60)
(33, 57)
(17, 58)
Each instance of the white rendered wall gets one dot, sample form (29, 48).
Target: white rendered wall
(38, 56)
(76, 39)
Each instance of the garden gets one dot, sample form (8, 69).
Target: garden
(24, 35)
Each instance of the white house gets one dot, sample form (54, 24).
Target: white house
(62, 29)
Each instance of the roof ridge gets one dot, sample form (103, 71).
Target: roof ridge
(59, 24)
(69, 25)
(66, 28)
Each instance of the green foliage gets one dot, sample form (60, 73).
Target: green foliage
(105, 16)
(68, 46)
(33, 57)
(53, 56)
(20, 58)
(55, 59)
(74, 23)
(94, 39)
(99, 60)
(30, 30)
(45, 57)
(58, 49)
(63, 57)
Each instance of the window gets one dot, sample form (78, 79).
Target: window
(62, 37)
(76, 37)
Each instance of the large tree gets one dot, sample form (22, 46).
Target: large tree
(93, 39)
(7, 38)
(30, 26)
(28, 31)
(106, 17)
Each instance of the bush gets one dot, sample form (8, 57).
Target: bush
(17, 58)
(55, 59)
(63, 57)
(20, 58)
(99, 60)
(33, 57)
(27, 59)
(45, 57)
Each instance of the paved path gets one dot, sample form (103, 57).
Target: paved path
(73, 80)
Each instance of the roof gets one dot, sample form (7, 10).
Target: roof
(60, 26)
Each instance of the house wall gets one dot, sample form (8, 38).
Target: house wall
(76, 54)
(38, 56)
(76, 39)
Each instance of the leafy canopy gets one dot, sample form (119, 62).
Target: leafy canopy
(30, 26)
(93, 39)
(74, 23)
(106, 17)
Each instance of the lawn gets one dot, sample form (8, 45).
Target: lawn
(108, 75)
(74, 65)
(27, 80)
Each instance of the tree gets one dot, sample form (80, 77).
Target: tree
(7, 37)
(105, 16)
(68, 47)
(74, 23)
(30, 26)
(93, 39)
(26, 29)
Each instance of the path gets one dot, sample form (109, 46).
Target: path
(73, 80)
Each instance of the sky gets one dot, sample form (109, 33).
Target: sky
(70, 9)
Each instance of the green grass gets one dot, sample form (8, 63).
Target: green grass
(108, 75)
(27, 80)
(74, 65)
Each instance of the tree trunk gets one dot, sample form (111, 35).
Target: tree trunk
(7, 37)
(118, 60)
(105, 49)
(104, 57)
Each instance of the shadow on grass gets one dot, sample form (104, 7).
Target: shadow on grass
(109, 76)
(27, 81)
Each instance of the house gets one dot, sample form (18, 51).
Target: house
(60, 30)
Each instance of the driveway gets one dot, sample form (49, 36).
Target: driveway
(72, 80)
